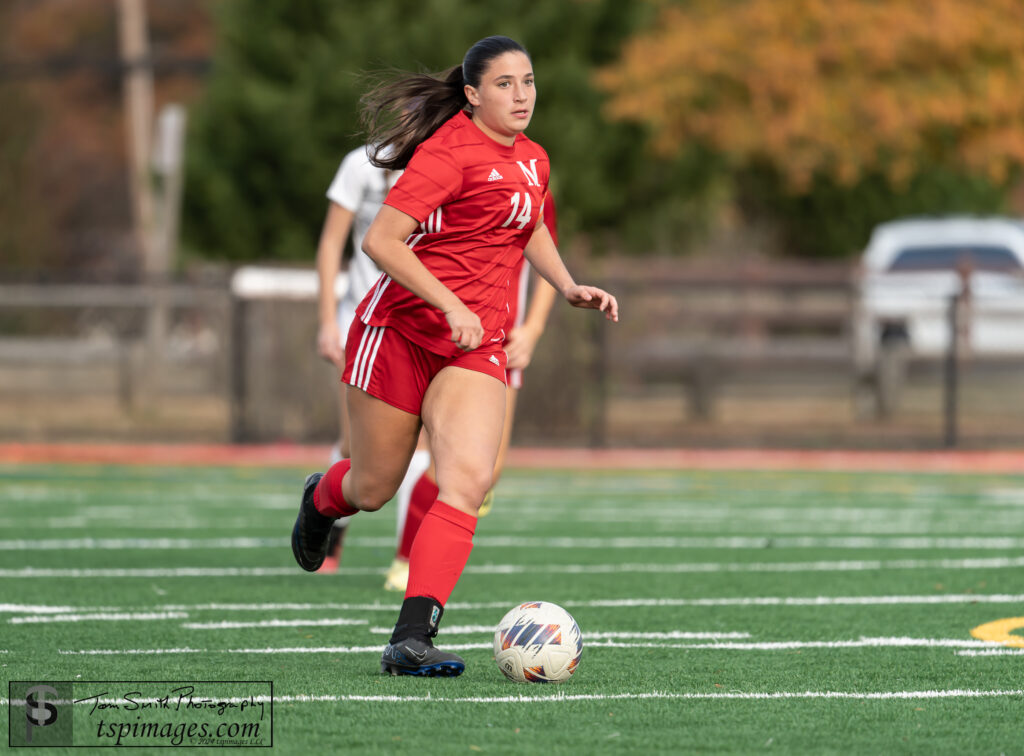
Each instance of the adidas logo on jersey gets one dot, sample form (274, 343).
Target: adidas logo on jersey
(495, 176)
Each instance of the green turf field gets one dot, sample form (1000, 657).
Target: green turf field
(722, 612)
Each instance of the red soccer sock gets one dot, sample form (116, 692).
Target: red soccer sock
(440, 552)
(424, 494)
(327, 497)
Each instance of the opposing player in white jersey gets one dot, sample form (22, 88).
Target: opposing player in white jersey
(355, 195)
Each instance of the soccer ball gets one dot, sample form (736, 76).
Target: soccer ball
(538, 642)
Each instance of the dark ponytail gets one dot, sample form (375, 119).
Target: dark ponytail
(401, 110)
(400, 113)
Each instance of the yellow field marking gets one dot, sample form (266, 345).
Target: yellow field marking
(1001, 631)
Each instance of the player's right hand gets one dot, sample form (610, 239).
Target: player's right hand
(467, 331)
(328, 344)
(519, 346)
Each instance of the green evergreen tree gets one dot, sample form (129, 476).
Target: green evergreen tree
(281, 110)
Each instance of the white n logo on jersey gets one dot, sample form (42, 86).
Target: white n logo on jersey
(530, 173)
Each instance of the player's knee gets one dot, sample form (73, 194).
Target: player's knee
(470, 489)
(370, 502)
(370, 495)
(483, 484)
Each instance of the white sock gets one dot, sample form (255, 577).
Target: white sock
(336, 457)
(417, 466)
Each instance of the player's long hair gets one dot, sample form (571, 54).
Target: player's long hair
(403, 109)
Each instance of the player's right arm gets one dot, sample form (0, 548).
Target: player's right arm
(329, 251)
(385, 244)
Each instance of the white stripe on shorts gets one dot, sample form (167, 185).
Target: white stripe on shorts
(365, 345)
(373, 357)
(359, 357)
(368, 347)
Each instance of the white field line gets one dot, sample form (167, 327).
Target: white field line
(761, 506)
(790, 645)
(376, 649)
(509, 569)
(993, 652)
(911, 525)
(97, 617)
(52, 609)
(562, 697)
(459, 629)
(721, 542)
(810, 601)
(712, 567)
(815, 519)
(747, 542)
(30, 609)
(156, 544)
(754, 601)
(39, 619)
(166, 524)
(599, 635)
(332, 622)
(722, 646)
(165, 572)
(134, 652)
(556, 697)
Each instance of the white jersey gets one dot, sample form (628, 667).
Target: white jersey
(360, 187)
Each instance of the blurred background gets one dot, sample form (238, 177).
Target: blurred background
(720, 166)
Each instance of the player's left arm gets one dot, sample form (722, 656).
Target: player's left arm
(523, 339)
(544, 257)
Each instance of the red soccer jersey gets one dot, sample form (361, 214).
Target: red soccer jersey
(477, 202)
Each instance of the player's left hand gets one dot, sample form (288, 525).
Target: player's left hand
(593, 298)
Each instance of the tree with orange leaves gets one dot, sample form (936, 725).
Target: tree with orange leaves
(840, 89)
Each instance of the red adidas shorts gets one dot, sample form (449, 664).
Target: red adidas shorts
(386, 365)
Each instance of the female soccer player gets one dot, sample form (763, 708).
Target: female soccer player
(426, 348)
(355, 196)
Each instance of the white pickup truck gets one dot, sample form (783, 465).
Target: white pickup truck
(911, 269)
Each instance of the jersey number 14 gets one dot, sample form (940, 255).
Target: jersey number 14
(523, 217)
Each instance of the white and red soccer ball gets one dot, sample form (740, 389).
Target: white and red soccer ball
(538, 641)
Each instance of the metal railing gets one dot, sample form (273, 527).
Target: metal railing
(726, 358)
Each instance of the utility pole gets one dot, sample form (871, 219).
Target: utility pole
(138, 108)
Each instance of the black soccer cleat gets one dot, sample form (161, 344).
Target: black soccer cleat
(413, 656)
(312, 530)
